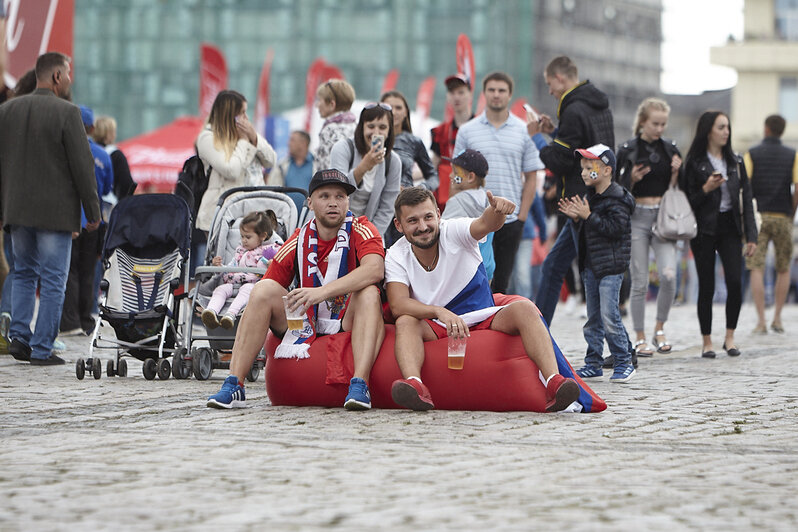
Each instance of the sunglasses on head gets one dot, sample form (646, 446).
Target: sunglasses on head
(382, 105)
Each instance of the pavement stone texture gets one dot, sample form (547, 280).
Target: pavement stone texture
(688, 444)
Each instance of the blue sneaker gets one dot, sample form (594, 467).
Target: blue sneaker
(58, 346)
(359, 397)
(623, 373)
(230, 396)
(588, 372)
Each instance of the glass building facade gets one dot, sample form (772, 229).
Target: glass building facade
(138, 60)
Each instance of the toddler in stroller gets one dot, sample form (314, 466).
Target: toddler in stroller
(259, 243)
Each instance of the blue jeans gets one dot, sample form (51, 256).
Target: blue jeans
(521, 281)
(604, 319)
(5, 299)
(40, 257)
(557, 262)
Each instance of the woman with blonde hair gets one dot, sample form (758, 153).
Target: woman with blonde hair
(104, 134)
(233, 151)
(334, 98)
(647, 165)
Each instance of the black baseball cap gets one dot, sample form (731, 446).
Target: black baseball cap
(455, 80)
(330, 176)
(471, 161)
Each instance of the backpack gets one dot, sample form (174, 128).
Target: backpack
(352, 157)
(192, 182)
(675, 220)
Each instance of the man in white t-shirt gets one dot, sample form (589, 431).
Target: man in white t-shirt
(437, 287)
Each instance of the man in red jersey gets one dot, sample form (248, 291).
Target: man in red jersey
(337, 259)
(460, 97)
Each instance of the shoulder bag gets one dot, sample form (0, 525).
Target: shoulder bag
(675, 220)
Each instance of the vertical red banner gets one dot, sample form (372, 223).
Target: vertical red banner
(213, 77)
(426, 91)
(389, 83)
(262, 101)
(318, 72)
(33, 28)
(466, 66)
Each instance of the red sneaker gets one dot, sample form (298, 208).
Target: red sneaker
(411, 394)
(561, 392)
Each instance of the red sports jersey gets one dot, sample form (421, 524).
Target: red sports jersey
(365, 239)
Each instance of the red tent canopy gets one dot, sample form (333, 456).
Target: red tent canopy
(155, 158)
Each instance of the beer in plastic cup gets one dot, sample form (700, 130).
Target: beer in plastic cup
(457, 349)
(295, 318)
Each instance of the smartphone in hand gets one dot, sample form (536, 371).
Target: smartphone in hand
(532, 113)
(377, 142)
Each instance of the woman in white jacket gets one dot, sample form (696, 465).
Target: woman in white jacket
(232, 149)
(372, 165)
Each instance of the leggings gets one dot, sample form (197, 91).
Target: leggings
(224, 291)
(728, 244)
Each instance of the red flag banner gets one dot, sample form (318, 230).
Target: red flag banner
(389, 83)
(426, 91)
(312, 80)
(318, 72)
(262, 102)
(33, 28)
(213, 76)
(465, 58)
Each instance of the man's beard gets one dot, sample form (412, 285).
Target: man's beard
(427, 245)
(66, 95)
(322, 221)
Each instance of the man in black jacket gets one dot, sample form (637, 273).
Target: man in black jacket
(585, 119)
(46, 174)
(772, 168)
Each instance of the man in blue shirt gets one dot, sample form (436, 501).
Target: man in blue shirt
(296, 170)
(513, 164)
(76, 318)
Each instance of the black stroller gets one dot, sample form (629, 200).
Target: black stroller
(145, 258)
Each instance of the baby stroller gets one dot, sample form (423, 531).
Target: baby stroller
(223, 238)
(145, 258)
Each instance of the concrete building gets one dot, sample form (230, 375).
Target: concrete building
(767, 65)
(614, 43)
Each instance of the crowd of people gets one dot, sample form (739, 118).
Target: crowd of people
(433, 236)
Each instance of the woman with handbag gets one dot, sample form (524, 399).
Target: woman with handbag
(718, 188)
(648, 165)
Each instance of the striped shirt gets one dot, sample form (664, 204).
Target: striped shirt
(509, 151)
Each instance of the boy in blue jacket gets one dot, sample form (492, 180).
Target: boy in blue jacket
(605, 241)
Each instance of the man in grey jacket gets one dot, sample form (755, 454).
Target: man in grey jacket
(46, 173)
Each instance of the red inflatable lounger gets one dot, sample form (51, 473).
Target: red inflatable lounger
(497, 375)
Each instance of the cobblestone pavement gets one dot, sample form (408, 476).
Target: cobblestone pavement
(688, 444)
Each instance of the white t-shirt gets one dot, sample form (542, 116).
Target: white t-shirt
(458, 282)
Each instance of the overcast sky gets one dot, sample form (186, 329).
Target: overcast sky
(690, 28)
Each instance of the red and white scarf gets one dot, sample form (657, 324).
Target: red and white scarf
(324, 318)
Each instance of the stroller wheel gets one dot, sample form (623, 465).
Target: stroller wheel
(96, 368)
(202, 363)
(149, 369)
(164, 369)
(179, 370)
(109, 368)
(254, 371)
(80, 369)
(121, 368)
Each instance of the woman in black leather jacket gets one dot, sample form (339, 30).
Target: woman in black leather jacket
(717, 186)
(647, 165)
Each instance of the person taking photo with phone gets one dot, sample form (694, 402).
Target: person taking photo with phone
(371, 165)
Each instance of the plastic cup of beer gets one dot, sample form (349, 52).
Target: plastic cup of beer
(457, 349)
(295, 318)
